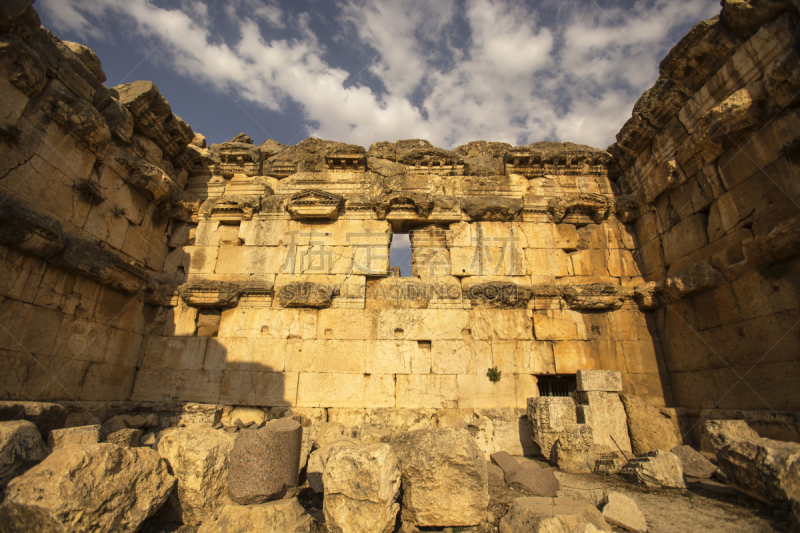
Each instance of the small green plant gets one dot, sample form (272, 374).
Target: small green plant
(791, 151)
(772, 270)
(118, 212)
(88, 192)
(493, 374)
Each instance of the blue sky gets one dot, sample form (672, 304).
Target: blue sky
(449, 71)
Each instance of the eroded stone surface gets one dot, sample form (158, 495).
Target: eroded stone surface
(100, 487)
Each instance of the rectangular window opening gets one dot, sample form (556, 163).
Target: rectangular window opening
(563, 385)
(400, 255)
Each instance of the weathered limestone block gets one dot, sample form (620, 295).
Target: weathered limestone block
(361, 486)
(78, 117)
(648, 427)
(100, 487)
(318, 460)
(88, 58)
(717, 434)
(559, 325)
(691, 280)
(246, 415)
(348, 390)
(549, 416)
(551, 514)
(426, 391)
(606, 416)
(765, 468)
(694, 463)
(656, 469)
(599, 380)
(443, 476)
(20, 442)
(621, 511)
(282, 515)
(263, 464)
(497, 291)
(198, 458)
(574, 449)
(307, 294)
(75, 436)
(125, 438)
(744, 17)
(153, 116)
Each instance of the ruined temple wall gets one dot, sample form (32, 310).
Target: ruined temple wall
(85, 189)
(716, 207)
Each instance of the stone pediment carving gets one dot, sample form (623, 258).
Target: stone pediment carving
(314, 203)
(595, 206)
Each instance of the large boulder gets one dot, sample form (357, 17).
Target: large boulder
(20, 443)
(649, 428)
(621, 511)
(281, 515)
(264, 462)
(444, 477)
(716, 434)
(199, 460)
(319, 458)
(99, 488)
(656, 469)
(765, 468)
(361, 486)
(551, 515)
(693, 462)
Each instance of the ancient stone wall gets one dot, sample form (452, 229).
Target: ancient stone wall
(140, 263)
(709, 169)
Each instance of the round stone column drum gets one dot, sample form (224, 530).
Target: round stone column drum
(264, 463)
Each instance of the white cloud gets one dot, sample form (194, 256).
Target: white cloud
(514, 77)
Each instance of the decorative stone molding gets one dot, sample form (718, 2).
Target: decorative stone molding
(314, 204)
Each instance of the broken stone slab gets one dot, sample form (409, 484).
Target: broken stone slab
(361, 488)
(20, 444)
(444, 477)
(656, 469)
(318, 459)
(127, 438)
(574, 449)
(544, 515)
(606, 415)
(620, 510)
(264, 462)
(599, 380)
(497, 477)
(764, 468)
(506, 462)
(198, 458)
(536, 481)
(548, 417)
(693, 462)
(717, 434)
(99, 487)
(119, 422)
(281, 515)
(77, 436)
(649, 428)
